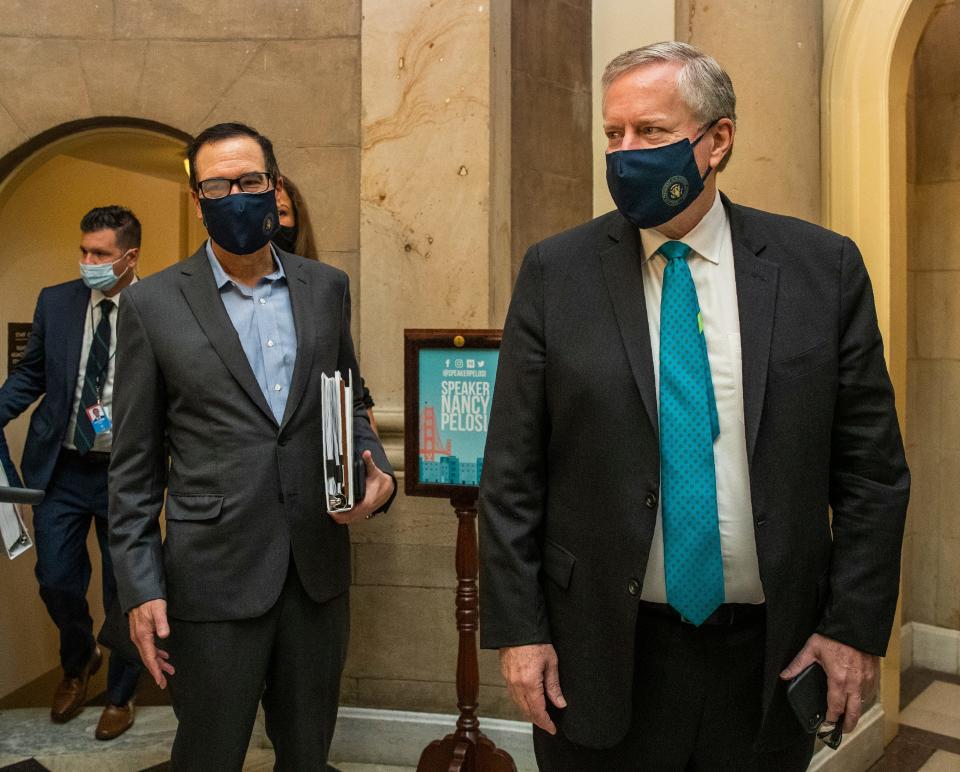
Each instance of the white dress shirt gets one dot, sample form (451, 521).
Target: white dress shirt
(711, 264)
(103, 442)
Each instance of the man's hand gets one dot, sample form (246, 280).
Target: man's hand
(147, 621)
(851, 676)
(378, 490)
(531, 672)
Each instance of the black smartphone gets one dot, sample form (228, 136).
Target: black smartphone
(807, 695)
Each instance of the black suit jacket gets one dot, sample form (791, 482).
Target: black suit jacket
(242, 492)
(49, 369)
(571, 470)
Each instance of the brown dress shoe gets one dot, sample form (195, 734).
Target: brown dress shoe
(115, 720)
(72, 692)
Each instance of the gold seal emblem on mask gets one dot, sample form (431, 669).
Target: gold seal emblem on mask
(674, 190)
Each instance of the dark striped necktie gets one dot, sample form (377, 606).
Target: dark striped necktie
(94, 378)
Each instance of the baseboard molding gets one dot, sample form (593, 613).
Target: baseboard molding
(397, 737)
(930, 647)
(371, 736)
(858, 752)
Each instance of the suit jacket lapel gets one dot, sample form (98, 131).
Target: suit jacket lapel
(75, 316)
(756, 299)
(200, 290)
(304, 321)
(620, 255)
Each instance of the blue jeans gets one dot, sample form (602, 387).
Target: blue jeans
(77, 494)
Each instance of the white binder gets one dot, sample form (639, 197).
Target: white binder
(16, 539)
(338, 467)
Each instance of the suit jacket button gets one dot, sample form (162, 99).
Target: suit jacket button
(651, 500)
(633, 587)
(282, 441)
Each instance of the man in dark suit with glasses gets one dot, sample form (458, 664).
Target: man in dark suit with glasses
(246, 600)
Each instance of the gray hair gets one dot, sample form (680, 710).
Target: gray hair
(703, 84)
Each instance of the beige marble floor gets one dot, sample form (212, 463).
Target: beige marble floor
(942, 761)
(937, 709)
(929, 737)
(29, 734)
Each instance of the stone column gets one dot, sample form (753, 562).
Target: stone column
(774, 54)
(458, 125)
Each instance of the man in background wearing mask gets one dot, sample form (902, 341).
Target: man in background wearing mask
(685, 387)
(221, 357)
(69, 361)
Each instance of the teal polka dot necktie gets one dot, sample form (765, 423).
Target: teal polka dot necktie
(688, 428)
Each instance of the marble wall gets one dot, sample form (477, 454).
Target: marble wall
(292, 70)
(475, 143)
(435, 243)
(552, 123)
(932, 544)
(776, 156)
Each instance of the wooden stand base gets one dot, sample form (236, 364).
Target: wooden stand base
(454, 754)
(467, 749)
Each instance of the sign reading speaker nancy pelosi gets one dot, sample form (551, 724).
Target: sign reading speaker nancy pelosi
(453, 393)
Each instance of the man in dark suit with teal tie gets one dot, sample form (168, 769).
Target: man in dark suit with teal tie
(686, 388)
(69, 361)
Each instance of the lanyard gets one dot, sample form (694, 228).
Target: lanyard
(101, 374)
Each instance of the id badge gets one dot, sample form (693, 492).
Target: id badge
(99, 419)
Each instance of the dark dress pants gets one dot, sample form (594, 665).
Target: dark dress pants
(77, 494)
(697, 706)
(291, 658)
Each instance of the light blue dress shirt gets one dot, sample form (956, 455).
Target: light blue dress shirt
(263, 318)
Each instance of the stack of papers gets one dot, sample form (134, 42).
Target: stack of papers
(338, 468)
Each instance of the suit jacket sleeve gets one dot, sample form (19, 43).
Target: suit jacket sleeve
(364, 438)
(138, 462)
(24, 385)
(513, 486)
(869, 480)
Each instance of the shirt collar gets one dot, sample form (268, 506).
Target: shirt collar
(96, 295)
(221, 277)
(706, 237)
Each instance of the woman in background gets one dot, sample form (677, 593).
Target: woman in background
(296, 236)
(296, 233)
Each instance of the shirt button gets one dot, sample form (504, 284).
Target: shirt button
(633, 587)
(277, 387)
(263, 301)
(651, 500)
(269, 344)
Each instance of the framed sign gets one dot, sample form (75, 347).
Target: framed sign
(18, 333)
(448, 385)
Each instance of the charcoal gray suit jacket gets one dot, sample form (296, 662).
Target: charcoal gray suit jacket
(242, 493)
(572, 474)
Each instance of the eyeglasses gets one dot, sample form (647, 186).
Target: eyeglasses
(251, 182)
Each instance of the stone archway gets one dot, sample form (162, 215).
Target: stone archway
(46, 185)
(864, 144)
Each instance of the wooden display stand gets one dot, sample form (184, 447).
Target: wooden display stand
(469, 354)
(467, 749)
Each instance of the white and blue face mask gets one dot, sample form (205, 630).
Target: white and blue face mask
(100, 276)
(653, 185)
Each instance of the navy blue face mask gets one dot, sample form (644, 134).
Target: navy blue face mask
(241, 223)
(653, 185)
